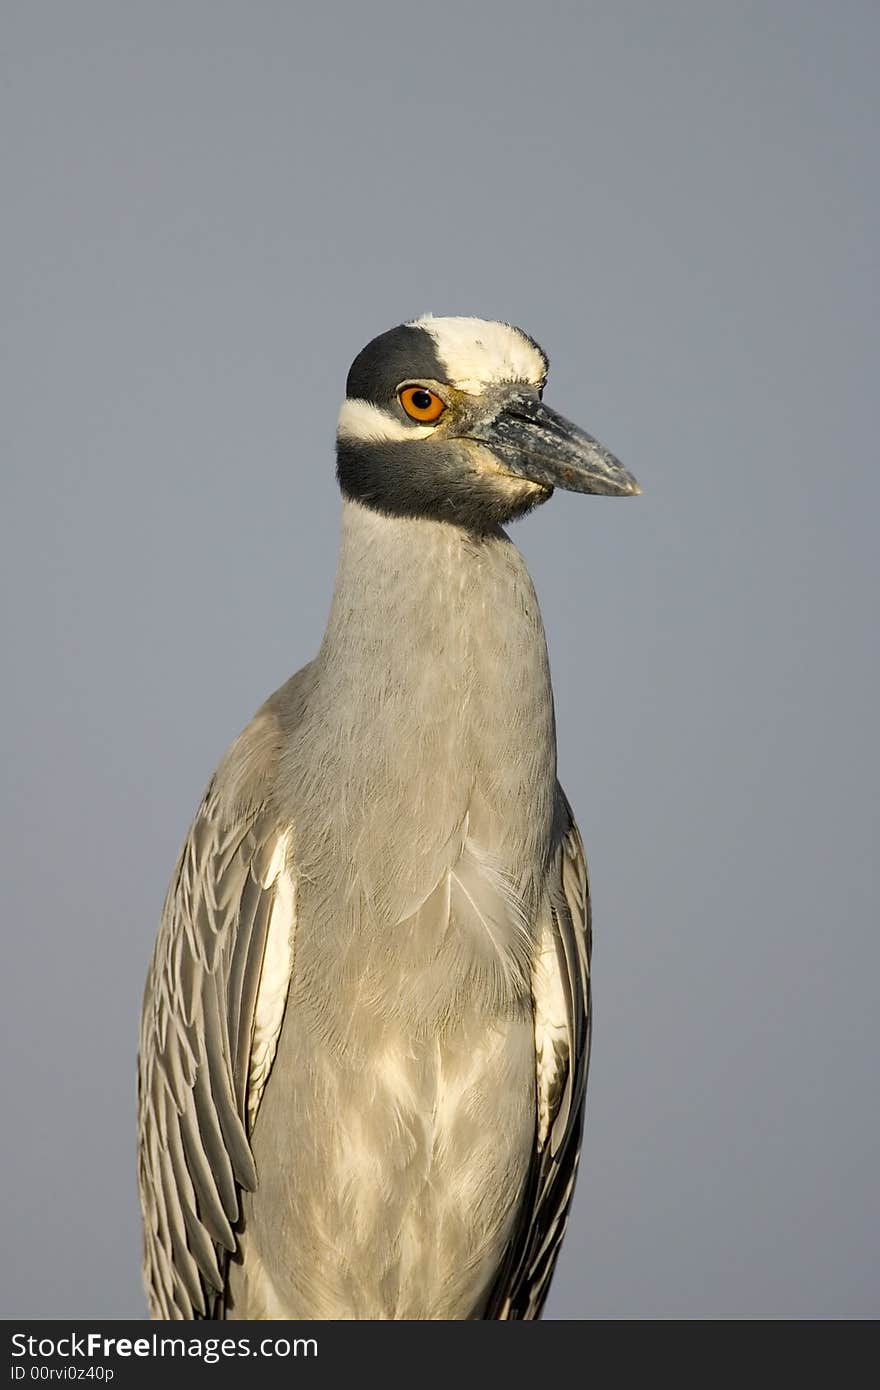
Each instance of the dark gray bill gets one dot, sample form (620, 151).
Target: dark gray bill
(535, 443)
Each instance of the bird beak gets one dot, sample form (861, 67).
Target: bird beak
(533, 442)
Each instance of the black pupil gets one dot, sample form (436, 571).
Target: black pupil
(422, 400)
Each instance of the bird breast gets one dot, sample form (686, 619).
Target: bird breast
(421, 779)
(398, 1122)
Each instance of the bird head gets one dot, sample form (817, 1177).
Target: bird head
(444, 418)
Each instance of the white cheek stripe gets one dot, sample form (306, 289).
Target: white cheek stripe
(364, 423)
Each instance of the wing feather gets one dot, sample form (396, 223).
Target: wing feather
(197, 1098)
(561, 995)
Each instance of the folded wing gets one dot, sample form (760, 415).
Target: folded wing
(213, 1008)
(561, 997)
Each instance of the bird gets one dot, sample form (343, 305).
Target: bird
(366, 1024)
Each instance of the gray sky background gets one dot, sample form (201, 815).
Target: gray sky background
(208, 208)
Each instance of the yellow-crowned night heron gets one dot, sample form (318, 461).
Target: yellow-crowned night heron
(366, 1024)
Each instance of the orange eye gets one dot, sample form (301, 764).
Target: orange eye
(421, 404)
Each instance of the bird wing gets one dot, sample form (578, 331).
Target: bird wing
(561, 998)
(213, 1008)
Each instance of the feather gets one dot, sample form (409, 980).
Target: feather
(561, 995)
(194, 1105)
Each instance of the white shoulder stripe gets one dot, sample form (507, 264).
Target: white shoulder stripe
(553, 1041)
(275, 975)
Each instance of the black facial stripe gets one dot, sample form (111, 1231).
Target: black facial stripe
(436, 483)
(405, 353)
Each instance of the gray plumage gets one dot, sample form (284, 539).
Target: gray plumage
(365, 1032)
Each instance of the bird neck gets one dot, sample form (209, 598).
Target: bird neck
(432, 693)
(434, 638)
(418, 603)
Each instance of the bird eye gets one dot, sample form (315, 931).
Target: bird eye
(421, 404)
